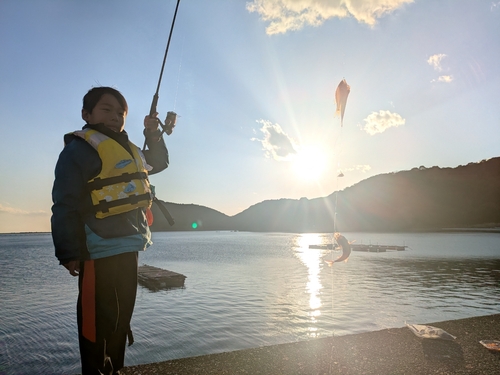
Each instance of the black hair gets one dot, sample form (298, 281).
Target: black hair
(95, 94)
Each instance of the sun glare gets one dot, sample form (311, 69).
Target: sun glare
(309, 163)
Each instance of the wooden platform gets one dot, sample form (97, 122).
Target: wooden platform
(322, 247)
(362, 247)
(156, 279)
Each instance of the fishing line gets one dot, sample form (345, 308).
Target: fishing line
(333, 284)
(179, 73)
(338, 174)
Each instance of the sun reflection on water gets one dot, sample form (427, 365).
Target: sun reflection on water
(312, 259)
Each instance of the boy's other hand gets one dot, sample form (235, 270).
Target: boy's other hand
(151, 122)
(73, 267)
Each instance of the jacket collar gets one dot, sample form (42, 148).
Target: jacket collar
(121, 138)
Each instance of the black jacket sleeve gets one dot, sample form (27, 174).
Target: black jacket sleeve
(77, 163)
(157, 153)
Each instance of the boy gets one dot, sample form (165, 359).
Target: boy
(101, 194)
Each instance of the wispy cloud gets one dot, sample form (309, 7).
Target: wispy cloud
(17, 211)
(435, 61)
(360, 167)
(275, 142)
(495, 6)
(287, 15)
(445, 79)
(379, 122)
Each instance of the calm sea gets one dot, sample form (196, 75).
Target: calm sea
(246, 290)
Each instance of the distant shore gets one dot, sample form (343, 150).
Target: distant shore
(438, 230)
(478, 230)
(389, 351)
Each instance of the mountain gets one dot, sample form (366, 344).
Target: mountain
(416, 200)
(187, 216)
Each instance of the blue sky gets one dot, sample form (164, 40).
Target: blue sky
(253, 83)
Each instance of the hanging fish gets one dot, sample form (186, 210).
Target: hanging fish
(344, 245)
(341, 95)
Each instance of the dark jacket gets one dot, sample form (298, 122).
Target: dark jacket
(78, 163)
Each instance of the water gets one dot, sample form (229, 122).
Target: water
(246, 290)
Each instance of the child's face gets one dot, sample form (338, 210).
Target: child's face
(108, 112)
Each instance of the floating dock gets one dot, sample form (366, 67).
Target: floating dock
(362, 247)
(156, 279)
(377, 248)
(323, 247)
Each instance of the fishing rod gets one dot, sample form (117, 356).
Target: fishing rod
(171, 118)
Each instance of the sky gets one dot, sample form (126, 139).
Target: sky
(253, 83)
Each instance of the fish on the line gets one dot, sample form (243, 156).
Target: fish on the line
(344, 245)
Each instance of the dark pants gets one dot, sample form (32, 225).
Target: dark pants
(107, 291)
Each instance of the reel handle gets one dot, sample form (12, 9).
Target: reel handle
(170, 122)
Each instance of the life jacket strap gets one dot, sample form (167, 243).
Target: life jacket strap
(104, 206)
(98, 183)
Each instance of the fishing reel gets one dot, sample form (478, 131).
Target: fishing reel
(166, 127)
(170, 122)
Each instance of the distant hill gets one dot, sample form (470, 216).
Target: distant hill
(189, 217)
(416, 200)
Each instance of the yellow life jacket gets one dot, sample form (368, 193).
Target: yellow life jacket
(122, 185)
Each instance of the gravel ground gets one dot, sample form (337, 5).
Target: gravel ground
(389, 351)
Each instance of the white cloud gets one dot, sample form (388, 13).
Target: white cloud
(360, 167)
(17, 211)
(435, 61)
(445, 79)
(379, 122)
(276, 143)
(286, 15)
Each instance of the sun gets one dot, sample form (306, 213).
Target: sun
(309, 163)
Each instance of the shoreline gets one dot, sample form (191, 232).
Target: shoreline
(388, 351)
(429, 230)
